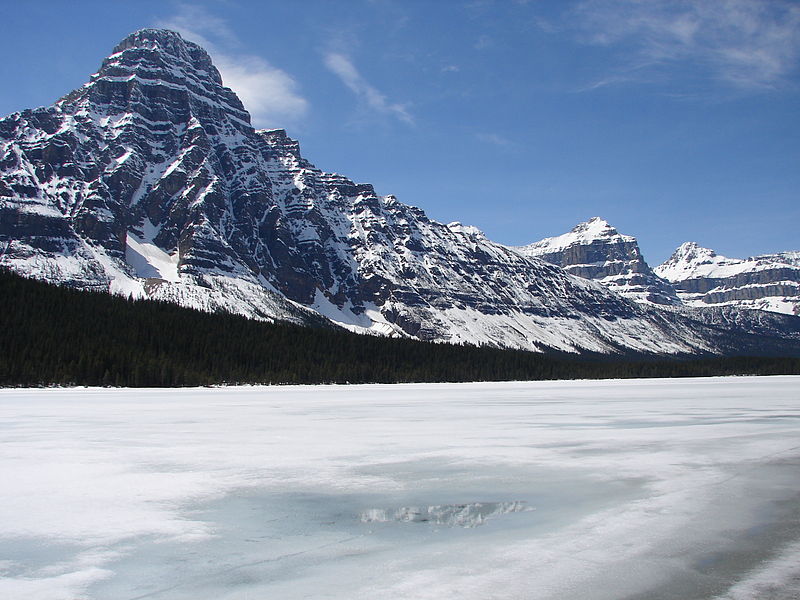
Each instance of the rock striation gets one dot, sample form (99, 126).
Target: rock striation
(150, 181)
(595, 250)
(704, 278)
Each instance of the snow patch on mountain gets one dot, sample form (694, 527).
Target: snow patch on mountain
(147, 259)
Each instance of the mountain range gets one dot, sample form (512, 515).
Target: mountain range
(150, 181)
(701, 277)
(692, 276)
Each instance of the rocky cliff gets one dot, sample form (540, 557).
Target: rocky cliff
(597, 251)
(150, 181)
(704, 278)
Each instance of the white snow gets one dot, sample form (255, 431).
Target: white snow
(592, 230)
(548, 490)
(691, 261)
(115, 163)
(368, 321)
(149, 260)
(467, 230)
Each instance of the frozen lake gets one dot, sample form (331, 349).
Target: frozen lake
(648, 489)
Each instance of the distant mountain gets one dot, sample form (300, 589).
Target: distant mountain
(597, 251)
(704, 278)
(150, 181)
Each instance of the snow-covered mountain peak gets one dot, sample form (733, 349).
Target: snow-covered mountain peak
(702, 277)
(166, 42)
(150, 180)
(596, 226)
(690, 260)
(692, 251)
(596, 250)
(158, 64)
(584, 233)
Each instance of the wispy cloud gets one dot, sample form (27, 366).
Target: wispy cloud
(745, 43)
(343, 68)
(199, 23)
(494, 139)
(269, 94)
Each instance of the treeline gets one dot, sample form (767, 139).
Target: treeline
(51, 335)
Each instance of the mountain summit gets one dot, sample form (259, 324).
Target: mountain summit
(704, 278)
(595, 250)
(150, 181)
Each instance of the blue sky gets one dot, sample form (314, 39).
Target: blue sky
(674, 120)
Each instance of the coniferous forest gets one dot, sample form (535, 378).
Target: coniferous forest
(53, 335)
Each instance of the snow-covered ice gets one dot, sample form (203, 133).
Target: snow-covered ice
(650, 489)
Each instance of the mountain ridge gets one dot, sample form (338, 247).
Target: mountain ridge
(702, 277)
(150, 181)
(595, 250)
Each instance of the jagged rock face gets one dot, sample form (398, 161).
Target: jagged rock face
(150, 180)
(702, 277)
(152, 157)
(595, 250)
(371, 261)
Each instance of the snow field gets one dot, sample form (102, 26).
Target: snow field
(614, 489)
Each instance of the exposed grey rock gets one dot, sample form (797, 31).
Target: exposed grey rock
(595, 250)
(150, 181)
(702, 277)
